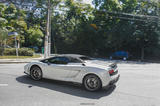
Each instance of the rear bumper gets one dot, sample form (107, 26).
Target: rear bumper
(113, 81)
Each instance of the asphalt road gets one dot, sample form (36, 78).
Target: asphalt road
(139, 85)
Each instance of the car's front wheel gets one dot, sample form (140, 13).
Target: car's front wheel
(36, 73)
(92, 82)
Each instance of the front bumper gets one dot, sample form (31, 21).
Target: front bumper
(26, 70)
(26, 73)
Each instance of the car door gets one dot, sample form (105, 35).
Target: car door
(56, 68)
(75, 66)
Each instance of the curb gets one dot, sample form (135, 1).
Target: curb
(18, 61)
(13, 62)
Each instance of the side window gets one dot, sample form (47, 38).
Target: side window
(75, 60)
(85, 58)
(59, 60)
(45, 60)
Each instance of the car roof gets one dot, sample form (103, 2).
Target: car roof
(77, 56)
(70, 55)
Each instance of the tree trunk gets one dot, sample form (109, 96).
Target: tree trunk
(2, 49)
(142, 53)
(18, 45)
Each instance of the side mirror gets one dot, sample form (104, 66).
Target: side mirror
(83, 64)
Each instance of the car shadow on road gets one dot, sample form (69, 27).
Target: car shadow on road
(65, 87)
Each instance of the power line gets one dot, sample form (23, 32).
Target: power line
(131, 17)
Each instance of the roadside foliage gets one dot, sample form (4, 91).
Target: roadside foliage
(96, 29)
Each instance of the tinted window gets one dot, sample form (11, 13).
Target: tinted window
(85, 58)
(75, 60)
(59, 60)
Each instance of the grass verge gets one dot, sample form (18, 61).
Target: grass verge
(19, 57)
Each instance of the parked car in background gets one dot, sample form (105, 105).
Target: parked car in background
(120, 55)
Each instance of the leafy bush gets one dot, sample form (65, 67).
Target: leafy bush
(21, 51)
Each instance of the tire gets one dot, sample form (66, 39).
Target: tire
(36, 73)
(92, 83)
(124, 58)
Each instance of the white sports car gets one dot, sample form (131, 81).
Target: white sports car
(74, 68)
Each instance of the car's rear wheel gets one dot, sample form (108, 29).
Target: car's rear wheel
(124, 58)
(92, 82)
(36, 73)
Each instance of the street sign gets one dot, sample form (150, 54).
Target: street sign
(12, 33)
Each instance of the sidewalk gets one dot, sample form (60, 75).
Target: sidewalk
(27, 60)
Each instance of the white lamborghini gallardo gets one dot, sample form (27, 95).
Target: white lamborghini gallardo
(74, 68)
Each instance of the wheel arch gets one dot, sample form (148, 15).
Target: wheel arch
(34, 65)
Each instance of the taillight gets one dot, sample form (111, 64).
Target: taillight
(111, 71)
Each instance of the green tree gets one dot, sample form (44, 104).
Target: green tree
(35, 36)
(16, 22)
(3, 39)
(122, 32)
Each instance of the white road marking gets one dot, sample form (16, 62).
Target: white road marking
(3, 85)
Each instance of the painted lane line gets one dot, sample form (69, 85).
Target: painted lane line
(3, 85)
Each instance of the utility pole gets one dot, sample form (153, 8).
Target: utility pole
(15, 38)
(47, 42)
(49, 38)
